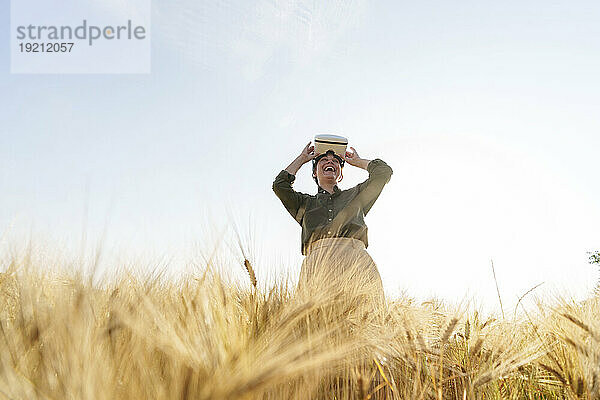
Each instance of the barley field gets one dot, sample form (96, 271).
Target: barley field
(67, 336)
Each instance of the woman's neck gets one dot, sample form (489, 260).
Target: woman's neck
(328, 186)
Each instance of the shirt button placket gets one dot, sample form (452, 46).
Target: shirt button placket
(330, 204)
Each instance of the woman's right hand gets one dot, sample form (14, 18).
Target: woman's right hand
(307, 154)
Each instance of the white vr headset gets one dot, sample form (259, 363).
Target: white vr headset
(335, 143)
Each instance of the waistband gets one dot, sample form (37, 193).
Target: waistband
(337, 242)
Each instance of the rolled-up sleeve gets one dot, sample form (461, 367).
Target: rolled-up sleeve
(292, 200)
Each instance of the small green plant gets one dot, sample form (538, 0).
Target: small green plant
(594, 257)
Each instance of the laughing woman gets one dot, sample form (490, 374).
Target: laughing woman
(334, 233)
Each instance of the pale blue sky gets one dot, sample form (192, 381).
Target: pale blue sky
(486, 111)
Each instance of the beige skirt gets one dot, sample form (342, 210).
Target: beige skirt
(340, 266)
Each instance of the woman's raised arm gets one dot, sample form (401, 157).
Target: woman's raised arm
(304, 157)
(282, 186)
(368, 191)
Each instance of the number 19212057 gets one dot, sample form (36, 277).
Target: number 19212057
(46, 47)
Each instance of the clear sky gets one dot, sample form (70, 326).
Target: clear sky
(487, 112)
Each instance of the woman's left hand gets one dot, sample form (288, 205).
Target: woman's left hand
(352, 158)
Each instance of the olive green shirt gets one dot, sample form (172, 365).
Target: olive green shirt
(340, 214)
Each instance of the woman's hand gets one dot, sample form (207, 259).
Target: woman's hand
(304, 157)
(354, 159)
(307, 154)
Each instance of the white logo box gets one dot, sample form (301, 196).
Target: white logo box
(80, 36)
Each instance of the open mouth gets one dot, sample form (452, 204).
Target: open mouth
(329, 168)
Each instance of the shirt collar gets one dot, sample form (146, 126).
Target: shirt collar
(336, 189)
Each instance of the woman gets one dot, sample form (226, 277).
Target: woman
(334, 234)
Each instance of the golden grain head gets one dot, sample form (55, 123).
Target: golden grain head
(250, 271)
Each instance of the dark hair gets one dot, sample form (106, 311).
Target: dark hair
(317, 158)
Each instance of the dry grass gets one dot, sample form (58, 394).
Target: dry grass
(203, 338)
